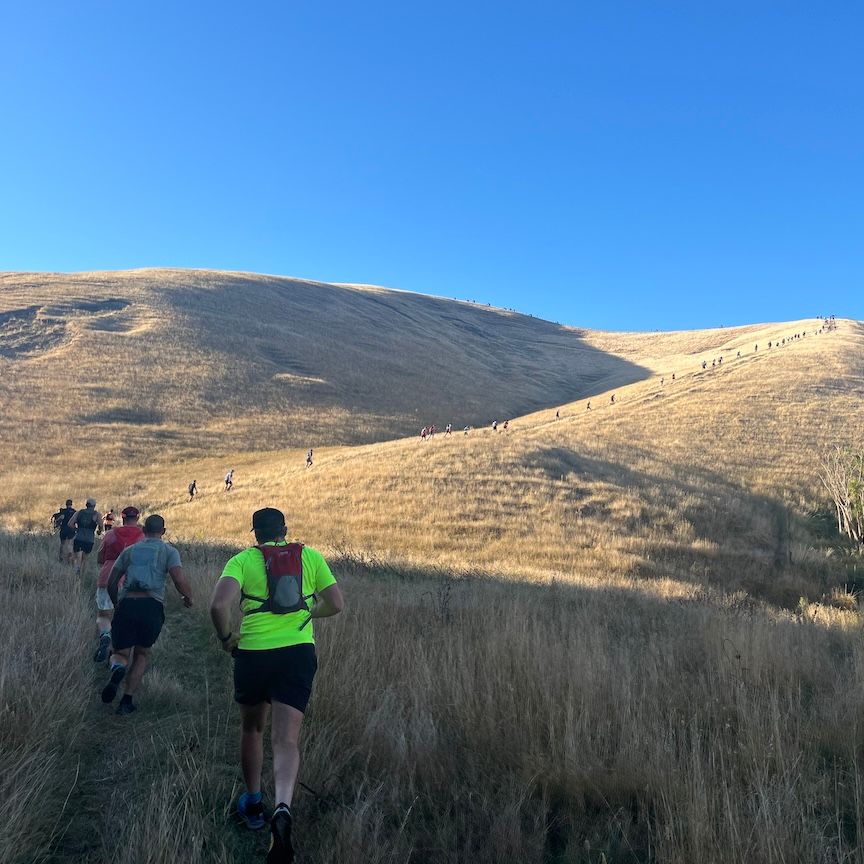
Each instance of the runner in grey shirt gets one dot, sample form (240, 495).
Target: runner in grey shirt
(140, 609)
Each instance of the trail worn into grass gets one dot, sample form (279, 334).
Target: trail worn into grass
(129, 766)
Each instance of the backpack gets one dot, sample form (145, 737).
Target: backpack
(284, 566)
(147, 567)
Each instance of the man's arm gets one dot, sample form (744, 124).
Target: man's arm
(226, 595)
(181, 583)
(118, 571)
(73, 522)
(328, 602)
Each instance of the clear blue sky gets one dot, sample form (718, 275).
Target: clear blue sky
(620, 165)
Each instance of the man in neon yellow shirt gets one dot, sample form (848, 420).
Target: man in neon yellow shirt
(274, 662)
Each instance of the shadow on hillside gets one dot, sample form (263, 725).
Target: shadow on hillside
(456, 361)
(742, 541)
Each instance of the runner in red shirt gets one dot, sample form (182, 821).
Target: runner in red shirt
(116, 540)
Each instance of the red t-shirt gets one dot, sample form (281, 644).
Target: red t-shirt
(116, 540)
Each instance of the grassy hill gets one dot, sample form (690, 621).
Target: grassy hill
(701, 482)
(206, 362)
(624, 635)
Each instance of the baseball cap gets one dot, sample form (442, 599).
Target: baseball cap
(268, 519)
(130, 512)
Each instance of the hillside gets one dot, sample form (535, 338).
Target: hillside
(648, 586)
(209, 362)
(681, 485)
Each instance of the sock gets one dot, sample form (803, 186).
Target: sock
(126, 700)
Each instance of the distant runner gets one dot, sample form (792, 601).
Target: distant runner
(506, 425)
(140, 610)
(193, 489)
(107, 522)
(84, 522)
(494, 425)
(448, 430)
(274, 659)
(558, 414)
(309, 458)
(589, 405)
(61, 520)
(114, 543)
(466, 429)
(229, 480)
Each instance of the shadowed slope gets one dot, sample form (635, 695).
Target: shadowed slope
(218, 362)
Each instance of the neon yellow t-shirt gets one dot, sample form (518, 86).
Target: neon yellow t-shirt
(266, 630)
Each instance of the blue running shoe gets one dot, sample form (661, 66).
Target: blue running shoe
(251, 812)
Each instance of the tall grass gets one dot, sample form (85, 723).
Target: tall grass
(465, 719)
(42, 694)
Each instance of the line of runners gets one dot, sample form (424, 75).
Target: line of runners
(279, 588)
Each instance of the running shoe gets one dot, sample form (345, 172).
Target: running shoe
(281, 851)
(126, 708)
(101, 654)
(251, 813)
(110, 689)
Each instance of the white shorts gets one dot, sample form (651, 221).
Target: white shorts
(103, 601)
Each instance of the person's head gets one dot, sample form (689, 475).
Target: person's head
(154, 525)
(68, 502)
(91, 503)
(268, 524)
(130, 515)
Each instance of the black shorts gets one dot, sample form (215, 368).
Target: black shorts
(137, 621)
(85, 546)
(281, 674)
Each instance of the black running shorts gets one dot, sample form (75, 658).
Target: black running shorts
(137, 621)
(278, 674)
(83, 546)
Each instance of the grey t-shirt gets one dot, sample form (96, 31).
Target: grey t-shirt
(146, 565)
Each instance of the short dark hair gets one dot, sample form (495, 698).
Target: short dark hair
(68, 502)
(154, 524)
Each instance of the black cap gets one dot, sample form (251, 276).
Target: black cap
(268, 520)
(154, 524)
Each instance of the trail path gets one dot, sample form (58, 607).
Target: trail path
(129, 767)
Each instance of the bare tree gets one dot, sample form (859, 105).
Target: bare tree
(843, 476)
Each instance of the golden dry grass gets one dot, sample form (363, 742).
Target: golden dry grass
(626, 633)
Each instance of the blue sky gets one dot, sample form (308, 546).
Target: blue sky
(621, 165)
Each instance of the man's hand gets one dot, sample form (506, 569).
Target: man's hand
(230, 643)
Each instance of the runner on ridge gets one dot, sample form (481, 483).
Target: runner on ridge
(193, 489)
